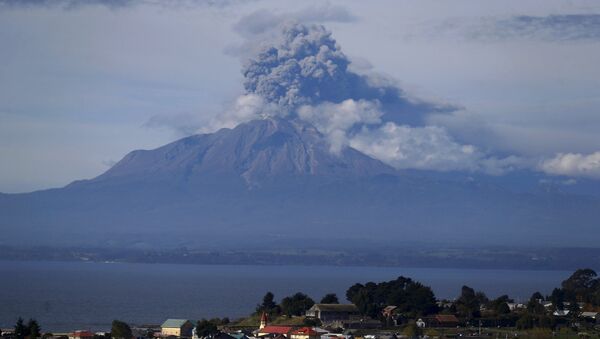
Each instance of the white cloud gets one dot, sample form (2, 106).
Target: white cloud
(429, 147)
(334, 120)
(573, 164)
(245, 108)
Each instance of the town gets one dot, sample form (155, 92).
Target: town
(401, 308)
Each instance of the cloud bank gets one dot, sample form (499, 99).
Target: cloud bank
(549, 28)
(573, 164)
(112, 4)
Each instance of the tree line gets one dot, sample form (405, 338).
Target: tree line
(413, 299)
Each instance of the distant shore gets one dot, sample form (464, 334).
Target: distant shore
(417, 257)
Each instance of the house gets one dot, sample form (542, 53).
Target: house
(561, 313)
(590, 317)
(442, 320)
(274, 331)
(391, 316)
(177, 328)
(328, 313)
(81, 335)
(305, 333)
(389, 311)
(516, 306)
(7, 331)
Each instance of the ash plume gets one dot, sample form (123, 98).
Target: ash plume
(304, 65)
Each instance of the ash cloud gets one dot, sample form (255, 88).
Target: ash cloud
(304, 65)
(263, 21)
(300, 72)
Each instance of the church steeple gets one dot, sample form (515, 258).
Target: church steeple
(263, 320)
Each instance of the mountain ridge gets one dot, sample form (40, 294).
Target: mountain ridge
(277, 179)
(252, 150)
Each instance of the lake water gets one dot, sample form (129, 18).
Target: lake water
(64, 296)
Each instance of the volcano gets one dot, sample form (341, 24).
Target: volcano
(276, 180)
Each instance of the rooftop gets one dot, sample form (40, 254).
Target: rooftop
(446, 318)
(275, 329)
(174, 323)
(305, 331)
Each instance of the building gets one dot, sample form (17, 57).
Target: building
(264, 319)
(177, 328)
(391, 316)
(274, 331)
(328, 313)
(81, 335)
(590, 317)
(389, 311)
(516, 306)
(561, 313)
(442, 320)
(305, 333)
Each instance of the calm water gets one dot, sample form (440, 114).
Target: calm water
(64, 296)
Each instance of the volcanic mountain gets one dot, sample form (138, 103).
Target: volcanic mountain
(276, 180)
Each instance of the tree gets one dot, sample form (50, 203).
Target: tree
(330, 298)
(525, 322)
(537, 296)
(503, 309)
(469, 303)
(297, 304)
(206, 328)
(120, 329)
(311, 322)
(34, 329)
(411, 297)
(534, 306)
(21, 331)
(558, 298)
(268, 305)
(580, 285)
(500, 305)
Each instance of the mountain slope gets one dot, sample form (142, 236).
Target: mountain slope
(274, 181)
(253, 151)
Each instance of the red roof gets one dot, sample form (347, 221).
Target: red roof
(275, 329)
(305, 331)
(264, 317)
(82, 334)
(446, 318)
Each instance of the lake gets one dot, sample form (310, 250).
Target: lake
(64, 296)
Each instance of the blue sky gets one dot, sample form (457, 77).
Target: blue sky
(82, 83)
